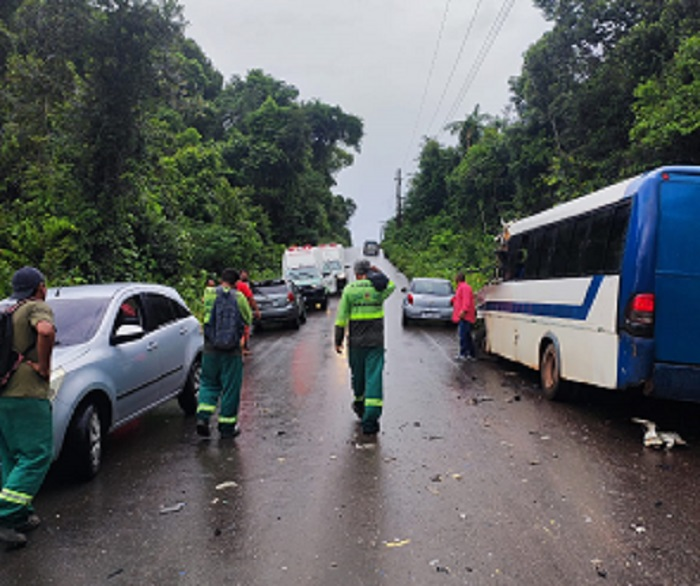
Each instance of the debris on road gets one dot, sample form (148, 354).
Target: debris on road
(600, 570)
(658, 439)
(638, 528)
(368, 446)
(227, 484)
(172, 509)
(480, 399)
(397, 542)
(438, 567)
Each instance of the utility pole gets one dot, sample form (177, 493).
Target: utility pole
(398, 197)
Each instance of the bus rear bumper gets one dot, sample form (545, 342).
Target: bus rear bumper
(680, 382)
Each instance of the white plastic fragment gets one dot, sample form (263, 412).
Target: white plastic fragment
(658, 439)
(172, 509)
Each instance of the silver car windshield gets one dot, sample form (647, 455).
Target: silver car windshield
(77, 320)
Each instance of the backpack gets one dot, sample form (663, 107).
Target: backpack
(225, 326)
(9, 358)
(379, 280)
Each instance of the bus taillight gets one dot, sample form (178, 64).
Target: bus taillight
(639, 317)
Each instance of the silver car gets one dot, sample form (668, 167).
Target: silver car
(427, 299)
(121, 350)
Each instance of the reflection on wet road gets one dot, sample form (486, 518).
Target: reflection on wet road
(474, 479)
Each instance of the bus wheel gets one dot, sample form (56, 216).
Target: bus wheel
(553, 386)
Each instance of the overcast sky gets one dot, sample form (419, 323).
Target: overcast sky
(377, 60)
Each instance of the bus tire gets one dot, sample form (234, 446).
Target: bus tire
(553, 386)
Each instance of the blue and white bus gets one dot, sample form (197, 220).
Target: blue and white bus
(605, 289)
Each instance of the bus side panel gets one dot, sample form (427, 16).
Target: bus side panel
(636, 355)
(579, 313)
(636, 363)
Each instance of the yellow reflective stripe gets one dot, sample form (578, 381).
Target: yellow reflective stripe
(227, 419)
(364, 316)
(373, 402)
(202, 408)
(15, 497)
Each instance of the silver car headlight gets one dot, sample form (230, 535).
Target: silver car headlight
(55, 382)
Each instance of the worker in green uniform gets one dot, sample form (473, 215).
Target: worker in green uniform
(222, 367)
(26, 434)
(361, 309)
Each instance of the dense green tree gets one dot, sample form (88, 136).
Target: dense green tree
(611, 90)
(667, 110)
(123, 155)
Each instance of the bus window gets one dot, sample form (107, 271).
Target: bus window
(580, 237)
(565, 249)
(545, 252)
(531, 258)
(618, 234)
(598, 233)
(517, 255)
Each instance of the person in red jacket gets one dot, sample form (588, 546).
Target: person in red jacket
(243, 285)
(464, 314)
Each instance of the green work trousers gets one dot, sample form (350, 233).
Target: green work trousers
(366, 366)
(222, 377)
(26, 452)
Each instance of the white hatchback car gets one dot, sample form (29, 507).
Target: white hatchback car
(121, 350)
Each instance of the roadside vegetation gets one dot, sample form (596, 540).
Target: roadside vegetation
(125, 155)
(611, 91)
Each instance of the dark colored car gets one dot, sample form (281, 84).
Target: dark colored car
(310, 283)
(279, 302)
(427, 300)
(370, 248)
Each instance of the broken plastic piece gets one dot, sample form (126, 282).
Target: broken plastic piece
(659, 439)
(172, 509)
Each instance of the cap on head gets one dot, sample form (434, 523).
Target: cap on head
(25, 282)
(362, 266)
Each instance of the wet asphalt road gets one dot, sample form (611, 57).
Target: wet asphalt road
(474, 479)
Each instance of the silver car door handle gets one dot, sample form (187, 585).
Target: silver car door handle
(183, 330)
(152, 346)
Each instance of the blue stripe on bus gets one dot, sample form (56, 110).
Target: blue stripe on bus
(575, 312)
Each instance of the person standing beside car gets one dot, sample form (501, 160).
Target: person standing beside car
(26, 431)
(222, 366)
(361, 309)
(464, 314)
(243, 285)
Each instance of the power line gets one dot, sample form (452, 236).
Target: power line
(427, 81)
(455, 64)
(491, 37)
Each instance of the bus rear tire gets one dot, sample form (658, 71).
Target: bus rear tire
(553, 386)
